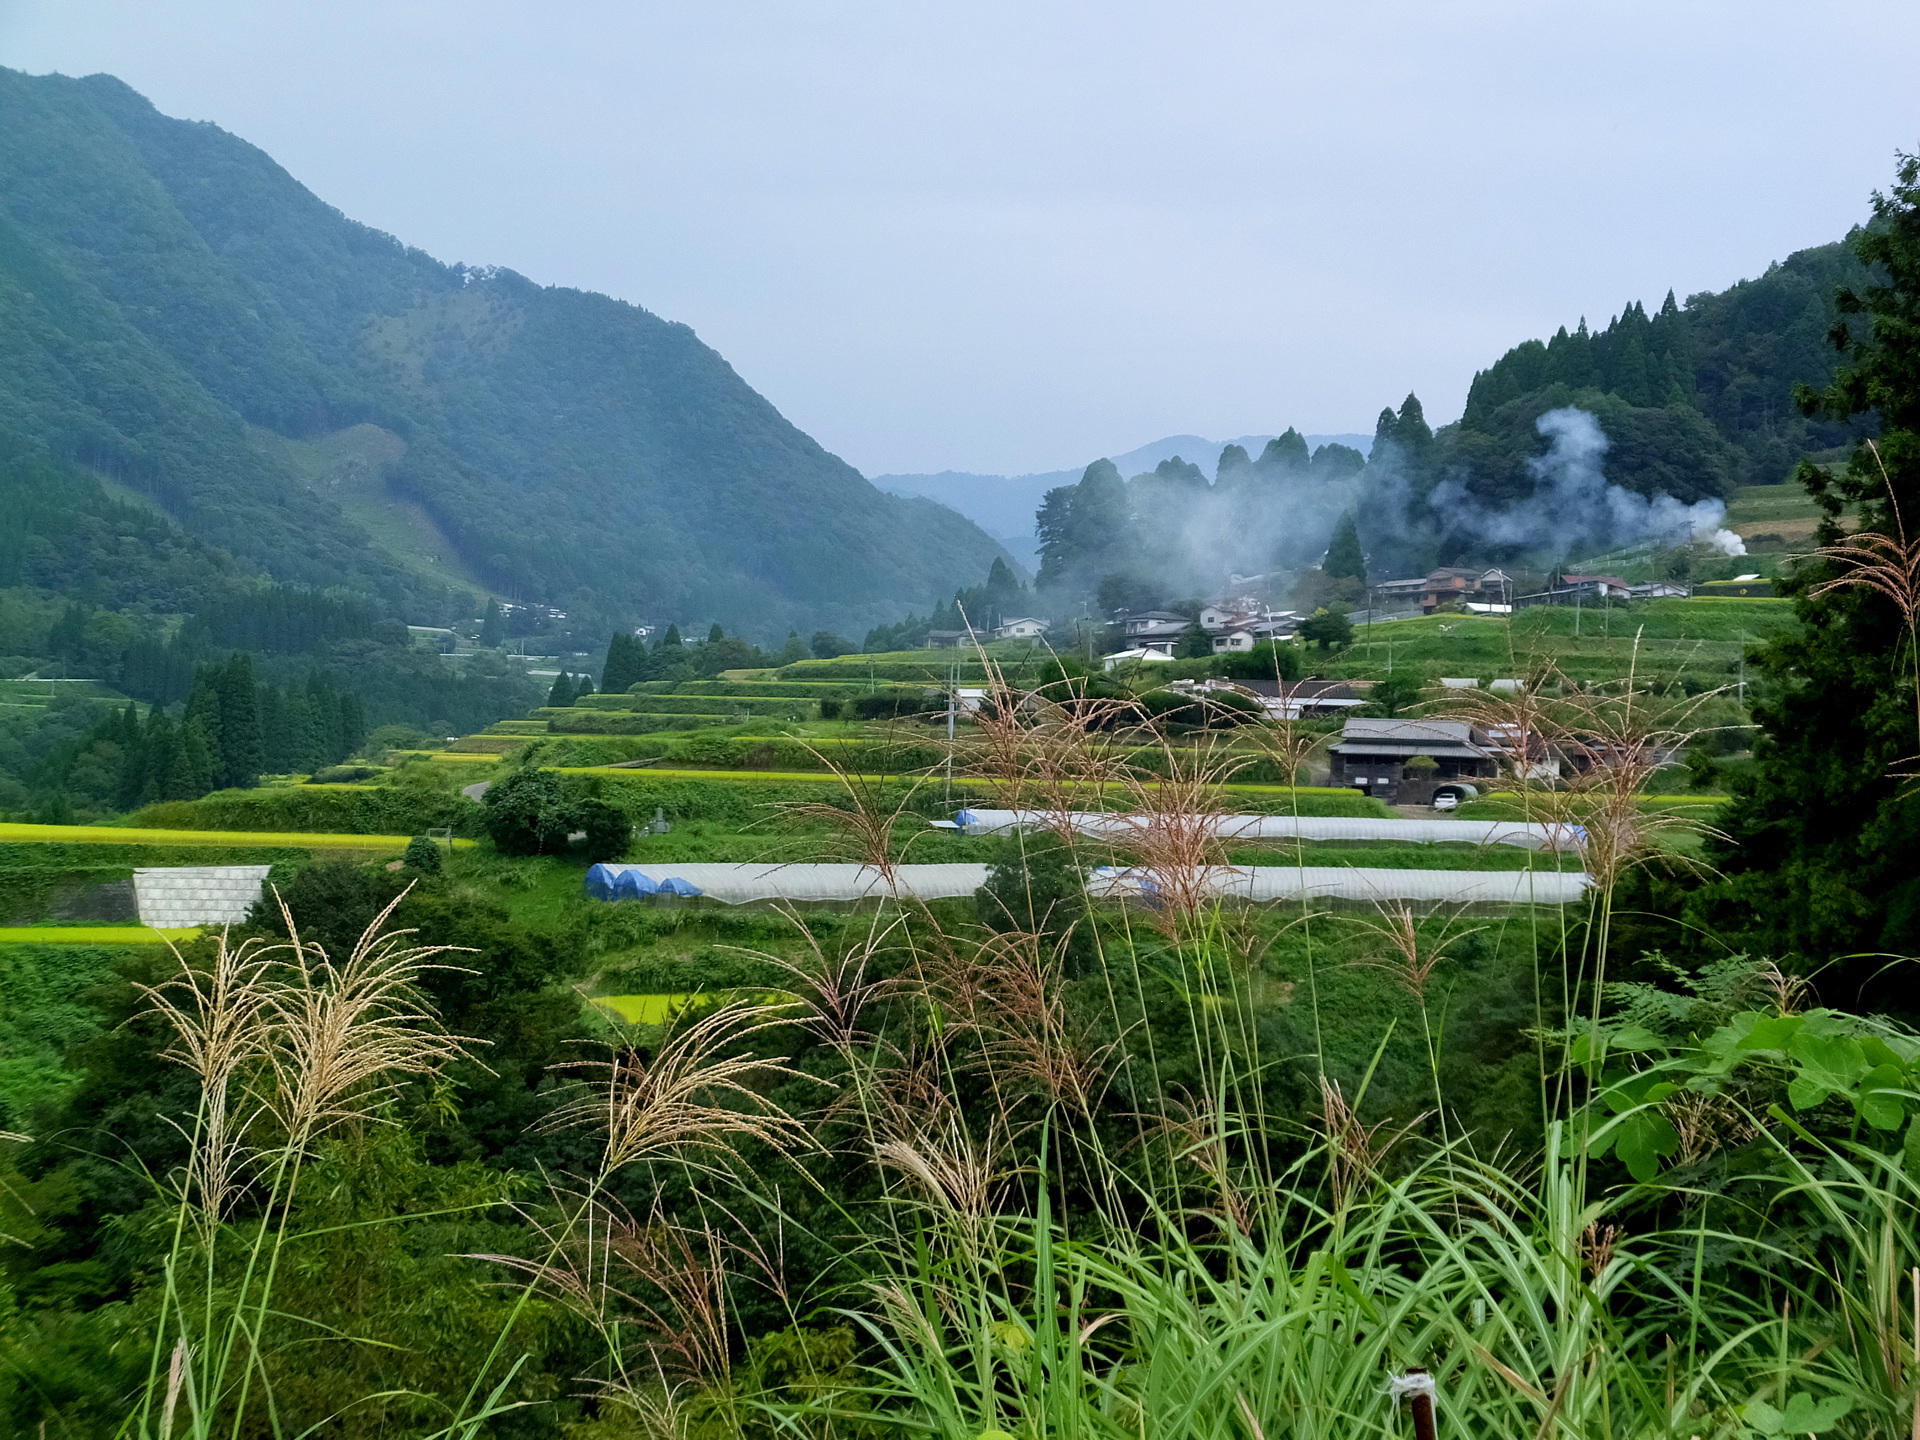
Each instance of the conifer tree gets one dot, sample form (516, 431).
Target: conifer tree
(133, 762)
(195, 763)
(323, 708)
(561, 694)
(671, 640)
(1232, 467)
(1824, 831)
(203, 705)
(353, 724)
(493, 626)
(1344, 558)
(625, 660)
(1286, 452)
(276, 736)
(1085, 529)
(159, 757)
(238, 753)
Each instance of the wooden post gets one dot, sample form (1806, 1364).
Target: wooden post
(1420, 1401)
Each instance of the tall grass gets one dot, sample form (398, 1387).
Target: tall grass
(1075, 1214)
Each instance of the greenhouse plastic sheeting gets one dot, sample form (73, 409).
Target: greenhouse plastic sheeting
(1530, 835)
(738, 884)
(1329, 882)
(179, 896)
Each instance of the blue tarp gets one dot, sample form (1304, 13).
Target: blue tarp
(632, 885)
(630, 882)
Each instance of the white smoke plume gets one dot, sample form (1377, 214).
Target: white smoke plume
(1575, 506)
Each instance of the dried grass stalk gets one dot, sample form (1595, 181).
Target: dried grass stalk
(691, 1096)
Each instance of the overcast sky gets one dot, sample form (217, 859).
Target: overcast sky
(1013, 236)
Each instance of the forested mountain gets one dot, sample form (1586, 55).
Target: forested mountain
(1686, 402)
(180, 316)
(1695, 399)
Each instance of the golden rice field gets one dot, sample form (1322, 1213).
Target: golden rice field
(93, 935)
(11, 834)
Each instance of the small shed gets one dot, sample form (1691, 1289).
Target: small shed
(178, 897)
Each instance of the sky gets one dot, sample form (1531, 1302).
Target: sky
(1007, 237)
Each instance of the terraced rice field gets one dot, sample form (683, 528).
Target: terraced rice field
(93, 935)
(288, 839)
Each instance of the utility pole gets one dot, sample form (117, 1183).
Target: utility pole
(953, 703)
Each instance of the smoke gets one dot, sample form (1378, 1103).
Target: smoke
(1574, 506)
(1272, 522)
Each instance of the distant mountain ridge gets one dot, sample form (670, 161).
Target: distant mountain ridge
(184, 319)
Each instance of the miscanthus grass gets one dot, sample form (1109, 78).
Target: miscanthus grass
(1060, 1239)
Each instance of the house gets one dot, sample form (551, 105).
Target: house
(1163, 635)
(1442, 587)
(1600, 587)
(1228, 641)
(1292, 701)
(950, 639)
(1023, 627)
(1659, 590)
(1154, 620)
(1236, 610)
(1406, 761)
(1121, 657)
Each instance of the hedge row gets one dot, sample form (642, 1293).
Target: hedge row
(747, 689)
(375, 810)
(796, 708)
(878, 756)
(736, 801)
(932, 671)
(615, 722)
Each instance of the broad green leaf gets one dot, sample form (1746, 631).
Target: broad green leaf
(1770, 1032)
(1634, 1037)
(1806, 1416)
(1840, 1056)
(1828, 1063)
(1878, 1052)
(1644, 1137)
(1879, 1100)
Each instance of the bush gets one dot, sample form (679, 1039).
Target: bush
(828, 646)
(889, 707)
(1329, 629)
(532, 812)
(390, 809)
(1266, 661)
(1038, 888)
(1392, 696)
(422, 855)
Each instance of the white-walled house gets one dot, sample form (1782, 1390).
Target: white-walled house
(1023, 627)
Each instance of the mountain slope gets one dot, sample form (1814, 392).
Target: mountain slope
(174, 306)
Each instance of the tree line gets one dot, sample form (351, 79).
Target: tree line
(232, 731)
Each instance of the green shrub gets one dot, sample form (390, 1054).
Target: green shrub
(394, 809)
(422, 855)
(1265, 661)
(533, 812)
